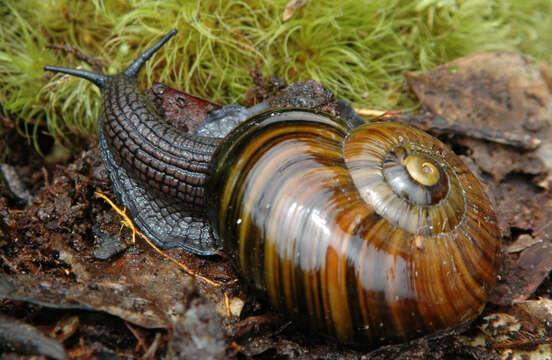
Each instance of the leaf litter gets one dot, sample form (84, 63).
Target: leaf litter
(66, 253)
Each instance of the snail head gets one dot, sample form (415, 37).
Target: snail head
(130, 72)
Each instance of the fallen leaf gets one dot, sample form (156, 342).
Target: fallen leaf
(18, 337)
(522, 277)
(292, 7)
(498, 90)
(497, 96)
(182, 110)
(523, 242)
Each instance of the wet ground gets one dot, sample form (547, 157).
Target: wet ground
(73, 284)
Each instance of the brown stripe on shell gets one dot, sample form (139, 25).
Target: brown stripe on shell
(306, 234)
(468, 285)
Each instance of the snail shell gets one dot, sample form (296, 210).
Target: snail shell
(370, 234)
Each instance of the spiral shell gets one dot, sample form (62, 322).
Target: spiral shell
(375, 234)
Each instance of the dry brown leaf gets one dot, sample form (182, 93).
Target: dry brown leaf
(498, 96)
(522, 277)
(292, 7)
(499, 90)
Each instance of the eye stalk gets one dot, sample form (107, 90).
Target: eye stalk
(131, 71)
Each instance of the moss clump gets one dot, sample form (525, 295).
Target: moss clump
(358, 49)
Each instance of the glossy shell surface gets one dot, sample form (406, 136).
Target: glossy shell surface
(376, 234)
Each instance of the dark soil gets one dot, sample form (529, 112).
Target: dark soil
(72, 283)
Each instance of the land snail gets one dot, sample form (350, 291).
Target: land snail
(370, 234)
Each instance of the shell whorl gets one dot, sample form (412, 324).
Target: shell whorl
(409, 178)
(294, 214)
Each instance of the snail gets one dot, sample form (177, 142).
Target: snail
(373, 233)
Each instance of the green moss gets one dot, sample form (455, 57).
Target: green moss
(358, 49)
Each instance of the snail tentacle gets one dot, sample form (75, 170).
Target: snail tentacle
(96, 78)
(158, 171)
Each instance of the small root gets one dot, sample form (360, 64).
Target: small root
(128, 222)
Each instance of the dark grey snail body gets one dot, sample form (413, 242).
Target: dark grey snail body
(372, 233)
(158, 172)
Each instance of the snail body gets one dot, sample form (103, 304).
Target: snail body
(371, 234)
